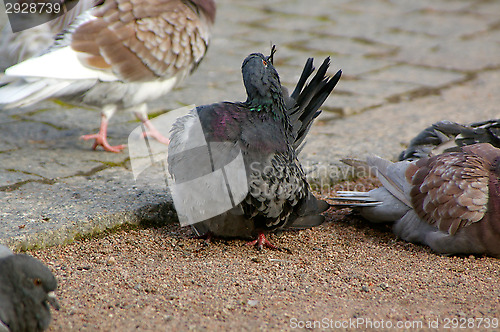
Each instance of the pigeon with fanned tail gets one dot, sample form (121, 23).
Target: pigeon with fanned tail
(447, 136)
(269, 129)
(117, 56)
(449, 202)
(26, 293)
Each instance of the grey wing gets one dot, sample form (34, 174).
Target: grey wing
(209, 178)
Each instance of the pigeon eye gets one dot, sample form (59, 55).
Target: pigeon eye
(264, 62)
(37, 282)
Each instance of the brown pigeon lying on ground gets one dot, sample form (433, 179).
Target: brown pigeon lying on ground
(450, 202)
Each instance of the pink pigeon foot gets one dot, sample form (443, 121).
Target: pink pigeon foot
(102, 141)
(262, 242)
(208, 237)
(154, 133)
(101, 138)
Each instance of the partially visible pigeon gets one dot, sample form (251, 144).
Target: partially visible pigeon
(5, 251)
(446, 136)
(118, 55)
(450, 202)
(26, 293)
(269, 129)
(16, 47)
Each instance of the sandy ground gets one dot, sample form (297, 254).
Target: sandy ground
(344, 274)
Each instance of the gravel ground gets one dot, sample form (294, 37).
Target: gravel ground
(343, 273)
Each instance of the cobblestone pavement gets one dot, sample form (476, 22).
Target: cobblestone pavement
(406, 64)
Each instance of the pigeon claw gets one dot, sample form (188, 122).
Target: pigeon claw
(157, 136)
(262, 242)
(101, 140)
(208, 237)
(154, 133)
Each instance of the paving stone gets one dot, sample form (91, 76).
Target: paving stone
(4, 118)
(11, 176)
(345, 46)
(352, 104)
(68, 117)
(465, 55)
(448, 5)
(22, 133)
(352, 66)
(406, 41)
(486, 8)
(414, 75)
(321, 8)
(440, 23)
(49, 164)
(381, 88)
(45, 214)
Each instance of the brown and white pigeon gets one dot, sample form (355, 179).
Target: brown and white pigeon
(118, 55)
(447, 136)
(267, 130)
(26, 293)
(449, 202)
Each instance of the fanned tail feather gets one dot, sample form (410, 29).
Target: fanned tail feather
(21, 93)
(306, 72)
(309, 99)
(13, 94)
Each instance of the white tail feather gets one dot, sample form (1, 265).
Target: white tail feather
(13, 93)
(42, 94)
(23, 94)
(62, 63)
(358, 199)
(353, 194)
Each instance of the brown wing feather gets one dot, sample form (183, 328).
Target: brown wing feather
(452, 190)
(140, 40)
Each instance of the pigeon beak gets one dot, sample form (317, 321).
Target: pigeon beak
(53, 301)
